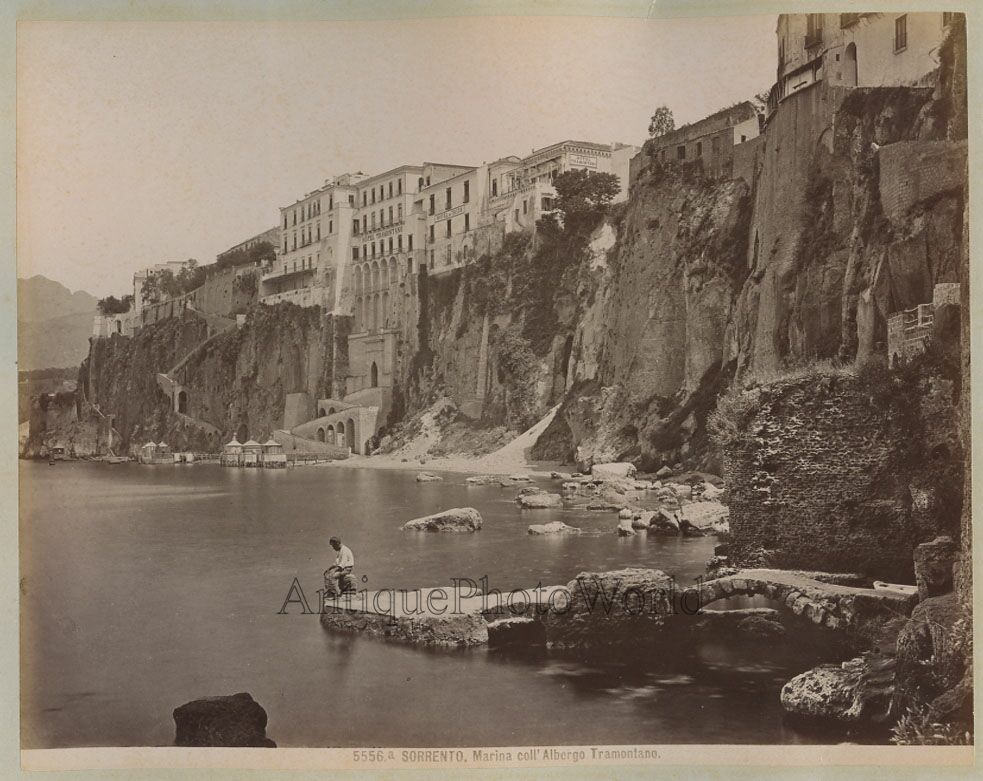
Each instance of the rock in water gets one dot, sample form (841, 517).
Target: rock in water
(933, 567)
(457, 519)
(663, 473)
(428, 477)
(606, 471)
(612, 608)
(624, 527)
(642, 520)
(482, 480)
(235, 720)
(555, 527)
(539, 501)
(829, 691)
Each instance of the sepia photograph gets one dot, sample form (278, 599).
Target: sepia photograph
(461, 390)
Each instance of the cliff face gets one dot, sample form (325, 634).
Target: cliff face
(236, 380)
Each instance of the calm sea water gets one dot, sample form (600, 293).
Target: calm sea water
(146, 587)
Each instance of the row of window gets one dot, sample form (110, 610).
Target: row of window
(448, 227)
(369, 221)
(371, 192)
(308, 235)
(448, 199)
(371, 247)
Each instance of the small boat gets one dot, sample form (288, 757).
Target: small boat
(51, 462)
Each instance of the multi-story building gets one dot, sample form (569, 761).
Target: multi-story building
(711, 141)
(856, 50)
(314, 246)
(271, 236)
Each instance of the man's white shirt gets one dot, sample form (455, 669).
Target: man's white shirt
(345, 557)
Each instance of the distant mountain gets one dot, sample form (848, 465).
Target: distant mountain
(53, 324)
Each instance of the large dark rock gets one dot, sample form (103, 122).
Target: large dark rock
(612, 608)
(933, 567)
(235, 720)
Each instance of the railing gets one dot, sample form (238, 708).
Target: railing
(287, 270)
(305, 296)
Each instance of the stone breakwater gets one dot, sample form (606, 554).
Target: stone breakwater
(601, 608)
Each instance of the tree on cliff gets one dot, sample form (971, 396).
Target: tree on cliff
(110, 305)
(259, 253)
(662, 122)
(583, 196)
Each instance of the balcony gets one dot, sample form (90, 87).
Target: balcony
(288, 269)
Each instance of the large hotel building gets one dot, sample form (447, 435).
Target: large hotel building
(347, 244)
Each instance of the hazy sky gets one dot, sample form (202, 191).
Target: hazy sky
(144, 142)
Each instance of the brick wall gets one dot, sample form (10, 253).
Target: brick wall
(824, 480)
(913, 171)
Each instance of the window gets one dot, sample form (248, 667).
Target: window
(365, 250)
(365, 197)
(399, 212)
(409, 242)
(284, 220)
(399, 186)
(295, 216)
(525, 205)
(319, 231)
(295, 240)
(680, 152)
(355, 227)
(431, 233)
(814, 30)
(390, 189)
(431, 258)
(467, 192)
(285, 244)
(467, 222)
(448, 229)
(390, 245)
(494, 187)
(431, 203)
(390, 215)
(901, 33)
(715, 145)
(365, 223)
(373, 249)
(373, 220)
(699, 149)
(351, 199)
(331, 202)
(399, 242)
(516, 215)
(419, 184)
(428, 181)
(382, 217)
(447, 193)
(330, 227)
(373, 195)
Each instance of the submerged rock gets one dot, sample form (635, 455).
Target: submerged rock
(540, 500)
(457, 519)
(618, 469)
(482, 480)
(235, 720)
(554, 527)
(428, 477)
(624, 527)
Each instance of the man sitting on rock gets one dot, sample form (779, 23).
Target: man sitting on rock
(338, 577)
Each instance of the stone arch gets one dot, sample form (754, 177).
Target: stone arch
(384, 314)
(375, 275)
(392, 271)
(331, 410)
(182, 401)
(350, 434)
(320, 434)
(374, 376)
(331, 433)
(321, 413)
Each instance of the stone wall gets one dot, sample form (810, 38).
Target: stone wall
(832, 475)
(913, 171)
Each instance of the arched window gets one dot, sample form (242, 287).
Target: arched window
(374, 375)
